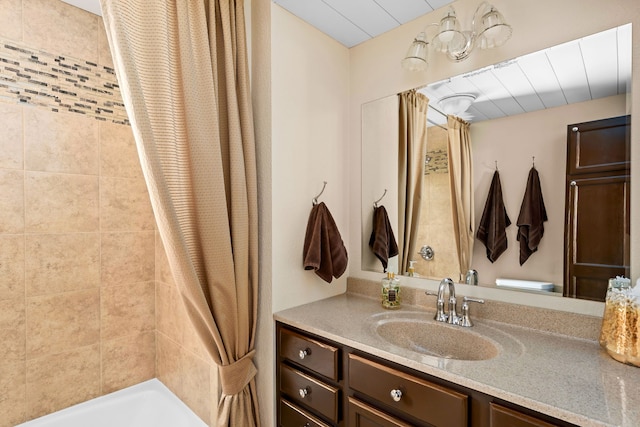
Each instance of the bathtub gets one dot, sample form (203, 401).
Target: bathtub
(148, 404)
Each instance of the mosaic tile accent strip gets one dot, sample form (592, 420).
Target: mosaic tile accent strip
(59, 83)
(437, 161)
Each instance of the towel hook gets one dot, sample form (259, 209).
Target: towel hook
(375, 204)
(533, 161)
(496, 165)
(315, 199)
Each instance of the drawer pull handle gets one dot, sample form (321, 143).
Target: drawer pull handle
(304, 392)
(304, 353)
(396, 395)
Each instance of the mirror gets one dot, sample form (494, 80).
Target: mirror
(510, 126)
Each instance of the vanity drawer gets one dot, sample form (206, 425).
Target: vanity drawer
(307, 391)
(305, 351)
(362, 415)
(437, 405)
(501, 416)
(292, 416)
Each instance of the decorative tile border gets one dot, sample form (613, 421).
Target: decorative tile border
(59, 83)
(437, 161)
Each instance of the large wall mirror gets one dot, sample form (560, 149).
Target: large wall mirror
(519, 114)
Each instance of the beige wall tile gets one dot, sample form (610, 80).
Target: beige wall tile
(12, 394)
(62, 322)
(127, 309)
(60, 380)
(170, 315)
(11, 266)
(61, 203)
(11, 142)
(12, 201)
(55, 26)
(125, 205)
(163, 270)
(60, 142)
(11, 19)
(186, 375)
(12, 331)
(127, 258)
(118, 152)
(61, 262)
(104, 53)
(127, 361)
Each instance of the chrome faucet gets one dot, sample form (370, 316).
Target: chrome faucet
(471, 278)
(441, 316)
(452, 317)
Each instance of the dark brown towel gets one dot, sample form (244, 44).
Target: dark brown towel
(382, 241)
(492, 229)
(324, 250)
(532, 217)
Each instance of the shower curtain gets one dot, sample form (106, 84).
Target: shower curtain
(182, 69)
(411, 166)
(461, 185)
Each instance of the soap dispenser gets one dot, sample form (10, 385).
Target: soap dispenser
(411, 272)
(391, 291)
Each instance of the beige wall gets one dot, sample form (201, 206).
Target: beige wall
(309, 94)
(77, 312)
(375, 72)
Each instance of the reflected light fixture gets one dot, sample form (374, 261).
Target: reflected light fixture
(488, 30)
(456, 104)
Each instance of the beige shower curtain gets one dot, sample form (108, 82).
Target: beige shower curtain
(461, 184)
(182, 70)
(411, 166)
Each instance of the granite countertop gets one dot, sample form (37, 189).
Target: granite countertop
(567, 378)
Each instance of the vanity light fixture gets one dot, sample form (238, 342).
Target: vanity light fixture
(488, 30)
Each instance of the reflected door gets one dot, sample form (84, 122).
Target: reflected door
(598, 225)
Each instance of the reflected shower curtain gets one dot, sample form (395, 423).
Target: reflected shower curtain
(182, 70)
(461, 185)
(411, 167)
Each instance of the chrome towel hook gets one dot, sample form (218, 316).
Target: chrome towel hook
(375, 204)
(315, 199)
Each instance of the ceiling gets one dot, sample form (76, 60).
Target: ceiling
(354, 21)
(585, 69)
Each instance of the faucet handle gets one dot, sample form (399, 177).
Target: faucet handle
(440, 316)
(465, 320)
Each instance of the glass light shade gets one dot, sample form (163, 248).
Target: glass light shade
(416, 58)
(494, 31)
(456, 104)
(448, 27)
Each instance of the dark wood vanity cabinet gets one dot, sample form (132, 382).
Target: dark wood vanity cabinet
(324, 384)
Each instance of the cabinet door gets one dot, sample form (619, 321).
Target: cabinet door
(363, 415)
(505, 417)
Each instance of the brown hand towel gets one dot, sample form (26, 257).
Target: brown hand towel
(382, 241)
(492, 229)
(532, 217)
(324, 250)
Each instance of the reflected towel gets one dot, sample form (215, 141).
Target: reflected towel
(324, 250)
(532, 217)
(494, 222)
(382, 241)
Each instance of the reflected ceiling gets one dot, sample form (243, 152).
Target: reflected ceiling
(593, 67)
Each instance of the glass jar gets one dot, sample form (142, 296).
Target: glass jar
(620, 333)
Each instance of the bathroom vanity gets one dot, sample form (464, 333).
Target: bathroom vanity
(339, 364)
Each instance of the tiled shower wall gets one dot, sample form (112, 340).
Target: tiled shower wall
(78, 245)
(436, 224)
